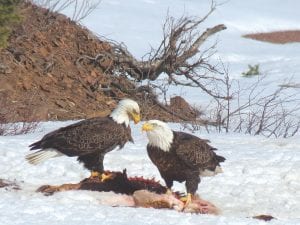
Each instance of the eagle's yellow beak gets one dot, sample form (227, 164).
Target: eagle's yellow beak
(147, 127)
(136, 117)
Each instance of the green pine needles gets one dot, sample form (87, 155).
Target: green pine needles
(8, 17)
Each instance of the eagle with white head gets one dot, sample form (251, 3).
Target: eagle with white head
(89, 140)
(180, 156)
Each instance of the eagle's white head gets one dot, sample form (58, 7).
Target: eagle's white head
(159, 134)
(126, 110)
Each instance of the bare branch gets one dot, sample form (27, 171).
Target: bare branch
(81, 9)
(178, 55)
(258, 114)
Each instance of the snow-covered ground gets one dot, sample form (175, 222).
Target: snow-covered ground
(261, 176)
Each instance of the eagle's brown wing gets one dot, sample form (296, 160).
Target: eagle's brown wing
(86, 137)
(194, 152)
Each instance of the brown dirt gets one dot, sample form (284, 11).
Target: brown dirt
(278, 37)
(42, 79)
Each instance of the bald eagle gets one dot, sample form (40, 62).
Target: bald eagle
(180, 156)
(89, 139)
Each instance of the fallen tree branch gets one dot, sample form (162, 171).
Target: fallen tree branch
(179, 55)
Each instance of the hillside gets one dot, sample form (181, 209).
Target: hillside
(42, 75)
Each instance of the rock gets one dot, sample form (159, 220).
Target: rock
(4, 69)
(182, 107)
(27, 83)
(264, 217)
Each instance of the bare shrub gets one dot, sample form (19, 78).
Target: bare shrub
(80, 9)
(272, 114)
(250, 110)
(8, 123)
(9, 129)
(178, 56)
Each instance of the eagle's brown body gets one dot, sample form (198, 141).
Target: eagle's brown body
(89, 140)
(187, 157)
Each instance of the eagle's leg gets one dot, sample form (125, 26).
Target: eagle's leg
(169, 191)
(187, 199)
(191, 188)
(99, 172)
(96, 166)
(169, 184)
(94, 163)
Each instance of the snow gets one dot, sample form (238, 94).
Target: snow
(261, 176)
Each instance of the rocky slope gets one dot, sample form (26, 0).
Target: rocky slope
(43, 74)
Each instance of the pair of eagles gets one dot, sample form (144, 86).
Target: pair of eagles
(178, 156)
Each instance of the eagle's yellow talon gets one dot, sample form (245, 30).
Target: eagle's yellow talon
(186, 199)
(95, 174)
(106, 176)
(183, 198)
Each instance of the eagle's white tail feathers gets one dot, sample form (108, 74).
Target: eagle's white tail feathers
(209, 173)
(42, 155)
